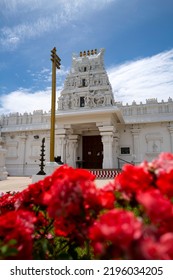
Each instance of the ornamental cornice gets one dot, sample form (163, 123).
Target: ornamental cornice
(152, 111)
(30, 127)
(107, 128)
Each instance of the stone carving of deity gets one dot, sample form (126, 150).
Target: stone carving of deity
(78, 82)
(99, 99)
(75, 101)
(89, 100)
(66, 102)
(60, 103)
(107, 99)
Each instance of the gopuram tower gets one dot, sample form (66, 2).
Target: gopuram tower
(87, 85)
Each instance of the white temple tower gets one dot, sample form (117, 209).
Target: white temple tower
(87, 85)
(87, 113)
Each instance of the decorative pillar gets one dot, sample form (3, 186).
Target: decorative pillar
(3, 172)
(136, 145)
(71, 155)
(115, 149)
(47, 148)
(22, 153)
(60, 147)
(170, 128)
(107, 133)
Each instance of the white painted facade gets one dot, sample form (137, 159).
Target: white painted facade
(86, 107)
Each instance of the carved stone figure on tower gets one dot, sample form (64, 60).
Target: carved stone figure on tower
(75, 101)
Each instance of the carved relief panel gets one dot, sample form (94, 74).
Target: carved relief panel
(154, 144)
(12, 149)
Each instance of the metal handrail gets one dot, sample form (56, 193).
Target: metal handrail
(120, 159)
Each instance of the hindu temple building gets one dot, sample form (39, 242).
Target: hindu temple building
(92, 128)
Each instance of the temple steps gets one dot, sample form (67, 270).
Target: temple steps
(105, 173)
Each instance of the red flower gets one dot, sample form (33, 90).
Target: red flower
(117, 226)
(33, 195)
(163, 163)
(158, 208)
(150, 248)
(165, 183)
(42, 222)
(134, 179)
(69, 201)
(18, 226)
(74, 174)
(7, 202)
(106, 197)
(74, 201)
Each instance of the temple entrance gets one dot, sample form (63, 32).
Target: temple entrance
(92, 152)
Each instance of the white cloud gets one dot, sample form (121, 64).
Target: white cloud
(24, 100)
(11, 6)
(52, 15)
(12, 36)
(144, 78)
(45, 75)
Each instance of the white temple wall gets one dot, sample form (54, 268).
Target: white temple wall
(23, 153)
(125, 141)
(153, 138)
(23, 150)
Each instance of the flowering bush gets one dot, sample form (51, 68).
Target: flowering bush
(65, 216)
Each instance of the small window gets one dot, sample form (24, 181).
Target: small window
(85, 69)
(82, 101)
(125, 150)
(83, 82)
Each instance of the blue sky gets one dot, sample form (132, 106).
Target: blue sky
(137, 36)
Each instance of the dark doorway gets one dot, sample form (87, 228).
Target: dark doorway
(92, 152)
(82, 101)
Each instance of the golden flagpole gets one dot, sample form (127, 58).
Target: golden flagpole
(55, 64)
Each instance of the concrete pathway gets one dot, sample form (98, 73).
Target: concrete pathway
(14, 184)
(20, 183)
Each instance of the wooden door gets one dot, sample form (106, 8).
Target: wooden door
(92, 152)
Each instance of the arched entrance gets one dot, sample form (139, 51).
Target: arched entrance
(92, 149)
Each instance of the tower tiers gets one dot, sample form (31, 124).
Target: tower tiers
(87, 84)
